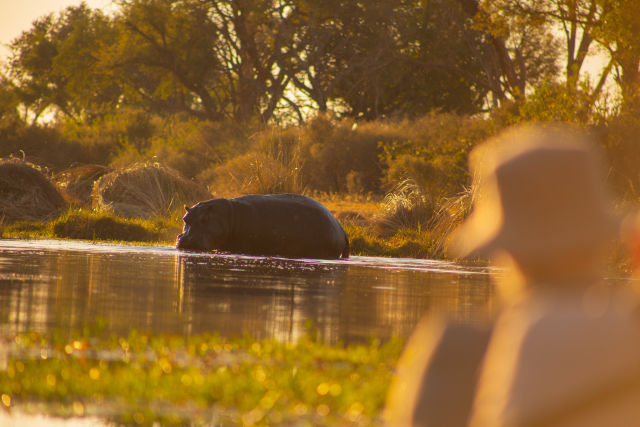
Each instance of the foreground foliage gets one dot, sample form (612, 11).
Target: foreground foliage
(141, 378)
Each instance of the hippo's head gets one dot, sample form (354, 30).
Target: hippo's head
(207, 226)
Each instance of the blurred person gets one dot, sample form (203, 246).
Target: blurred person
(565, 350)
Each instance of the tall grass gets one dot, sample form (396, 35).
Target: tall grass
(450, 213)
(408, 206)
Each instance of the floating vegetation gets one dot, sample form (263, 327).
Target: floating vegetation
(201, 379)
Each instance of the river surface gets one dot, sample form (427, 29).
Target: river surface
(65, 285)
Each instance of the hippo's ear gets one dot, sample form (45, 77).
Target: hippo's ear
(187, 208)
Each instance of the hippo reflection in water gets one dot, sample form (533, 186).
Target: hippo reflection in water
(288, 225)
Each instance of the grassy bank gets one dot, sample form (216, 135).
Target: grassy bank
(141, 379)
(365, 220)
(360, 217)
(97, 226)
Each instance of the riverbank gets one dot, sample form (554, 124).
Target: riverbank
(361, 217)
(372, 227)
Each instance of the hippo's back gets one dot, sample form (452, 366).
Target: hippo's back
(288, 225)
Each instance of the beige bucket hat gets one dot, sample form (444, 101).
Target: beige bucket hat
(540, 192)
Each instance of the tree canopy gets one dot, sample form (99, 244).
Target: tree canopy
(272, 60)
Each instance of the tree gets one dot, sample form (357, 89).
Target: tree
(619, 33)
(517, 51)
(578, 21)
(56, 64)
(382, 58)
(165, 60)
(215, 59)
(9, 101)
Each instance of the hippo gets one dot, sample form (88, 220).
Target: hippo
(288, 225)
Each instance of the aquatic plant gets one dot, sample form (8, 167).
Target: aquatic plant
(81, 224)
(142, 378)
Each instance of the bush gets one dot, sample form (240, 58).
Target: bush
(450, 213)
(323, 155)
(272, 165)
(433, 153)
(191, 147)
(338, 156)
(621, 139)
(43, 145)
(103, 140)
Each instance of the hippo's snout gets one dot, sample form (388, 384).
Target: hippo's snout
(181, 241)
(187, 242)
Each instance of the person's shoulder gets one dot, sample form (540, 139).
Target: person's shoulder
(437, 370)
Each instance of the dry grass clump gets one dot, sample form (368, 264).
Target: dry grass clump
(145, 191)
(26, 193)
(78, 181)
(407, 206)
(450, 213)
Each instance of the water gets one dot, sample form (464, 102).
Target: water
(65, 285)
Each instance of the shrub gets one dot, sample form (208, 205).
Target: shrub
(450, 213)
(145, 191)
(104, 139)
(43, 145)
(621, 141)
(191, 147)
(338, 156)
(323, 155)
(272, 165)
(26, 193)
(433, 153)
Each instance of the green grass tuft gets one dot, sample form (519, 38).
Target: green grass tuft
(100, 226)
(405, 243)
(89, 225)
